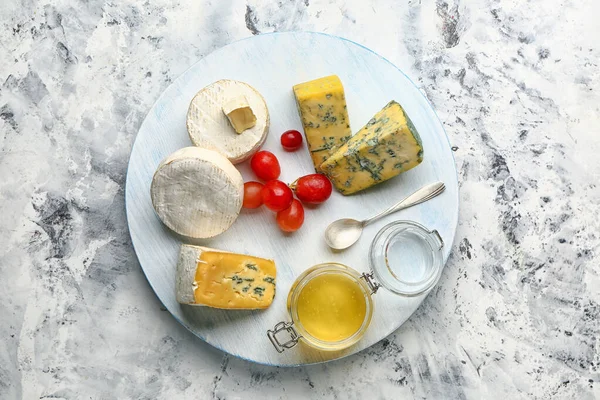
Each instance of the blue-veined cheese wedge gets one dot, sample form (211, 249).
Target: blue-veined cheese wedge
(220, 279)
(324, 115)
(386, 146)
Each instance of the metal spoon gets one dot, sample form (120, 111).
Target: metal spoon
(343, 233)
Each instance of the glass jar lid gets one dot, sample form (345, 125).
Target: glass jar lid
(406, 258)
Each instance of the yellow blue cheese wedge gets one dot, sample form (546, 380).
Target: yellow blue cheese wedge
(324, 115)
(386, 146)
(220, 279)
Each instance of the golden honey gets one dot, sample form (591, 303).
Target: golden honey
(331, 307)
(331, 304)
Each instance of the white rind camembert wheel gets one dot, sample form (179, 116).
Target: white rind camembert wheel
(209, 127)
(197, 192)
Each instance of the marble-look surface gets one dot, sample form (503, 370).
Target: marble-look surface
(516, 84)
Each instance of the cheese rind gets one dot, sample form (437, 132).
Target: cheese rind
(220, 279)
(322, 107)
(386, 146)
(197, 192)
(209, 127)
(239, 114)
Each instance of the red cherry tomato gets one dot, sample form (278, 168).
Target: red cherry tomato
(265, 165)
(276, 195)
(314, 188)
(252, 195)
(291, 140)
(292, 218)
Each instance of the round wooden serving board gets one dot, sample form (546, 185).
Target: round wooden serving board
(273, 64)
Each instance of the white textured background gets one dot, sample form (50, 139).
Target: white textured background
(516, 84)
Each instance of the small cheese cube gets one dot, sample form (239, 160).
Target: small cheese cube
(387, 146)
(239, 114)
(322, 107)
(215, 278)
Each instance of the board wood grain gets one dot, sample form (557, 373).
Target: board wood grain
(273, 64)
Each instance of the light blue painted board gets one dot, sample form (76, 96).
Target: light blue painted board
(273, 64)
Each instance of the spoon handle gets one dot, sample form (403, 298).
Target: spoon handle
(425, 193)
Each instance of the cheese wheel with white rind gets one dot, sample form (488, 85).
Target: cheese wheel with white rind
(197, 192)
(208, 126)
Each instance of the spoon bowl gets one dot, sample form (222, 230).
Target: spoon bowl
(343, 233)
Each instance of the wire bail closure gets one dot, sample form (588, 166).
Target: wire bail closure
(371, 283)
(288, 344)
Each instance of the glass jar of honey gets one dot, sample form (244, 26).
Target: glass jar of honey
(331, 304)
